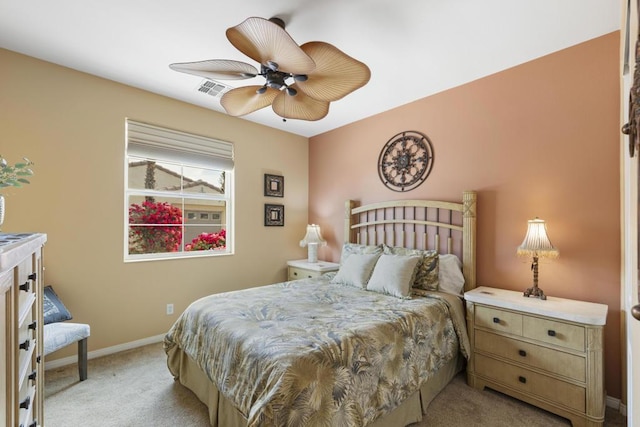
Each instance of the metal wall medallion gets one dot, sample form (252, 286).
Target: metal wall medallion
(406, 161)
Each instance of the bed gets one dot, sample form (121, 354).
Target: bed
(352, 348)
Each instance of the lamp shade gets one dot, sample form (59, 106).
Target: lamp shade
(313, 236)
(536, 242)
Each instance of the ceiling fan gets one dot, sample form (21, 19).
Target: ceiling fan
(300, 81)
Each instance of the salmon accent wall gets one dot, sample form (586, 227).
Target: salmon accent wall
(540, 139)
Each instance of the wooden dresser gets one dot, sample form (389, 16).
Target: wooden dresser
(22, 375)
(547, 353)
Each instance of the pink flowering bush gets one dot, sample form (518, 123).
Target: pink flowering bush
(164, 234)
(206, 241)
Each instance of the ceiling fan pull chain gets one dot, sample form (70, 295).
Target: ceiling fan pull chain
(284, 109)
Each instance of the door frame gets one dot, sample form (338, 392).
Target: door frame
(629, 199)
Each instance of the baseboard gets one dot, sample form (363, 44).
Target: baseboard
(615, 403)
(104, 351)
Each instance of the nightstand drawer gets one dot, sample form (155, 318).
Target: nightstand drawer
(499, 320)
(296, 273)
(531, 383)
(553, 361)
(556, 333)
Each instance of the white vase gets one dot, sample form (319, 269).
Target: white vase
(1, 210)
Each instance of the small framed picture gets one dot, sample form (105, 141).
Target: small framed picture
(273, 215)
(273, 185)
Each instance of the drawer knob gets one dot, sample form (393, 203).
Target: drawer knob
(32, 376)
(24, 287)
(295, 273)
(522, 353)
(25, 403)
(496, 320)
(33, 325)
(523, 380)
(551, 333)
(32, 277)
(25, 345)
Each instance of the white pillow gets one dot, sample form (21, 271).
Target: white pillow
(393, 275)
(355, 248)
(356, 270)
(450, 277)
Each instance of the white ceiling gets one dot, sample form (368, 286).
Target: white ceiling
(414, 48)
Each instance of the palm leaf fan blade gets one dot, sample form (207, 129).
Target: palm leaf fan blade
(217, 69)
(336, 74)
(301, 106)
(264, 41)
(245, 100)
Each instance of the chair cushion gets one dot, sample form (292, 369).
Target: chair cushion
(58, 335)
(54, 310)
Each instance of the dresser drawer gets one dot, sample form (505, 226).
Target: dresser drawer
(556, 333)
(296, 273)
(531, 383)
(498, 320)
(27, 330)
(26, 404)
(547, 359)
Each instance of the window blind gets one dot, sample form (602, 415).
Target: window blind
(153, 142)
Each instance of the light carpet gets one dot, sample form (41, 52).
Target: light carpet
(135, 388)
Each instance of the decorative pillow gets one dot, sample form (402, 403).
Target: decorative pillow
(427, 270)
(356, 270)
(393, 275)
(54, 310)
(450, 277)
(354, 248)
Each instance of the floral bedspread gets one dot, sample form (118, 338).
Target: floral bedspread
(312, 353)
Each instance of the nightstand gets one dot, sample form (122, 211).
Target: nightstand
(546, 353)
(303, 269)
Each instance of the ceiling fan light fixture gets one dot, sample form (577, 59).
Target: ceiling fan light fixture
(309, 76)
(273, 66)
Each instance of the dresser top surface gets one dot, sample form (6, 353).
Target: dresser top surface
(15, 246)
(572, 310)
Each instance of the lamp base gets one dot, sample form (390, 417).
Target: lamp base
(536, 292)
(312, 253)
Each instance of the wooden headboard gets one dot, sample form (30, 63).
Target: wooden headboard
(447, 227)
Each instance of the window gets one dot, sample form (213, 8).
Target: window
(178, 194)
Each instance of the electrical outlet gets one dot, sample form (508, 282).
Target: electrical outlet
(169, 309)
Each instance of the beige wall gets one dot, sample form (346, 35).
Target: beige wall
(72, 126)
(540, 139)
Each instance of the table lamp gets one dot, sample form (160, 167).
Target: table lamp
(537, 244)
(312, 239)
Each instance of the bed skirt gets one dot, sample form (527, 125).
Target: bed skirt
(223, 414)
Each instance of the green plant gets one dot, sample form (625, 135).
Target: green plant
(14, 176)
